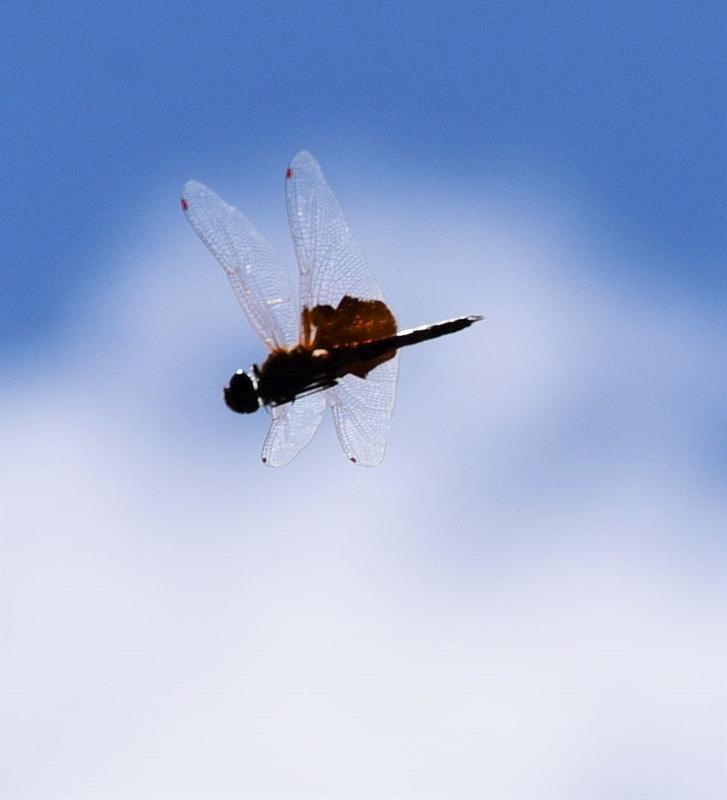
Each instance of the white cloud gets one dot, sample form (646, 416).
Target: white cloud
(526, 600)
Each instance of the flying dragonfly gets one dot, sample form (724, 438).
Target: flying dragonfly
(339, 350)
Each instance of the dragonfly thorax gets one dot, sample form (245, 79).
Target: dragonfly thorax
(286, 374)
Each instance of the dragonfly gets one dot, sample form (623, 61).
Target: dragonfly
(335, 346)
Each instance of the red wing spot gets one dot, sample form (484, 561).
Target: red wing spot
(265, 461)
(289, 173)
(185, 204)
(353, 459)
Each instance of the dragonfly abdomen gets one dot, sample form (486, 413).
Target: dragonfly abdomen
(389, 345)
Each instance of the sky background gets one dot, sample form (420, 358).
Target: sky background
(527, 599)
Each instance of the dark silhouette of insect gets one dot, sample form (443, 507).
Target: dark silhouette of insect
(340, 350)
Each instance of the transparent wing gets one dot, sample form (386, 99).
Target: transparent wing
(292, 428)
(258, 280)
(362, 409)
(330, 263)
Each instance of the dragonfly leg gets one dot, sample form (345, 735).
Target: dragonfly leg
(318, 386)
(326, 383)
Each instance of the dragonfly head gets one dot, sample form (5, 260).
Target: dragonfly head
(241, 393)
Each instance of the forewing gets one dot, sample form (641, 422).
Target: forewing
(292, 428)
(362, 409)
(259, 282)
(331, 264)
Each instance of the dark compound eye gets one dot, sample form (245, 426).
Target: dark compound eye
(241, 395)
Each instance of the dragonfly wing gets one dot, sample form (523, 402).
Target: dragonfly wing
(330, 262)
(259, 282)
(292, 428)
(362, 409)
(332, 266)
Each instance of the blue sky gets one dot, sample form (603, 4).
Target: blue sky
(623, 101)
(536, 573)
